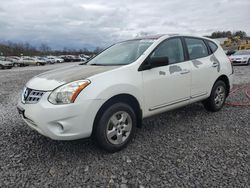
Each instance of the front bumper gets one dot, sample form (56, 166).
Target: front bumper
(240, 62)
(61, 122)
(8, 65)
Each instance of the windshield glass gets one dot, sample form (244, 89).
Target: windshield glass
(122, 53)
(242, 52)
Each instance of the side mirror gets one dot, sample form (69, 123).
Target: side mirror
(154, 62)
(158, 61)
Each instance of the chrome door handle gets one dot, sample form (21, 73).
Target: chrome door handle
(215, 64)
(185, 72)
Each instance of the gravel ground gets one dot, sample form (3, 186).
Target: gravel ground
(188, 147)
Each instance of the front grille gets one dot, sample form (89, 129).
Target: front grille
(237, 62)
(31, 96)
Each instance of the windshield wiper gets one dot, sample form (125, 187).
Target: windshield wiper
(99, 64)
(84, 63)
(96, 64)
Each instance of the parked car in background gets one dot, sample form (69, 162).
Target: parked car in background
(26, 61)
(15, 60)
(69, 58)
(59, 60)
(82, 59)
(77, 58)
(87, 57)
(241, 57)
(40, 61)
(54, 59)
(5, 64)
(156, 74)
(50, 59)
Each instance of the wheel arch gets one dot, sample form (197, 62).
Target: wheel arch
(126, 98)
(225, 79)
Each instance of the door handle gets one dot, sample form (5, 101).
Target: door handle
(185, 72)
(163, 73)
(215, 64)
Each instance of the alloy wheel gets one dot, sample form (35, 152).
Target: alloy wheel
(119, 127)
(220, 95)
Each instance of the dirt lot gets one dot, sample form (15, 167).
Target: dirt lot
(188, 147)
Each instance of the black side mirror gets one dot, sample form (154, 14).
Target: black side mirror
(156, 62)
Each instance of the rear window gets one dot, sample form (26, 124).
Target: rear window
(196, 48)
(212, 46)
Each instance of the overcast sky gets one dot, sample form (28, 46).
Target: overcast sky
(85, 23)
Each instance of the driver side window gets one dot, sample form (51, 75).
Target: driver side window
(171, 49)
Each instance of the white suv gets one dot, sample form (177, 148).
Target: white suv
(108, 97)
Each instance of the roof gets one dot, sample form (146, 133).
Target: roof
(153, 37)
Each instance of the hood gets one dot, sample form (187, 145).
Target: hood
(52, 79)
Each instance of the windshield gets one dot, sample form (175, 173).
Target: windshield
(122, 53)
(242, 52)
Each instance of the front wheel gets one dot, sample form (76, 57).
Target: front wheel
(217, 97)
(116, 127)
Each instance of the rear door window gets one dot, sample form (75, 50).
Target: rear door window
(196, 48)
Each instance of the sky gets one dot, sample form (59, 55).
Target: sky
(76, 24)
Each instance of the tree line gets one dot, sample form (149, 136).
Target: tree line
(26, 49)
(229, 34)
(17, 49)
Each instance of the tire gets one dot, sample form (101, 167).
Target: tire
(248, 63)
(116, 127)
(38, 64)
(217, 97)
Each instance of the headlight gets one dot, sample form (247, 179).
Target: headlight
(245, 58)
(68, 93)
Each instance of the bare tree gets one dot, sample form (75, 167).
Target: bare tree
(44, 48)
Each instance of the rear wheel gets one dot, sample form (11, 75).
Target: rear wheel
(217, 97)
(115, 127)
